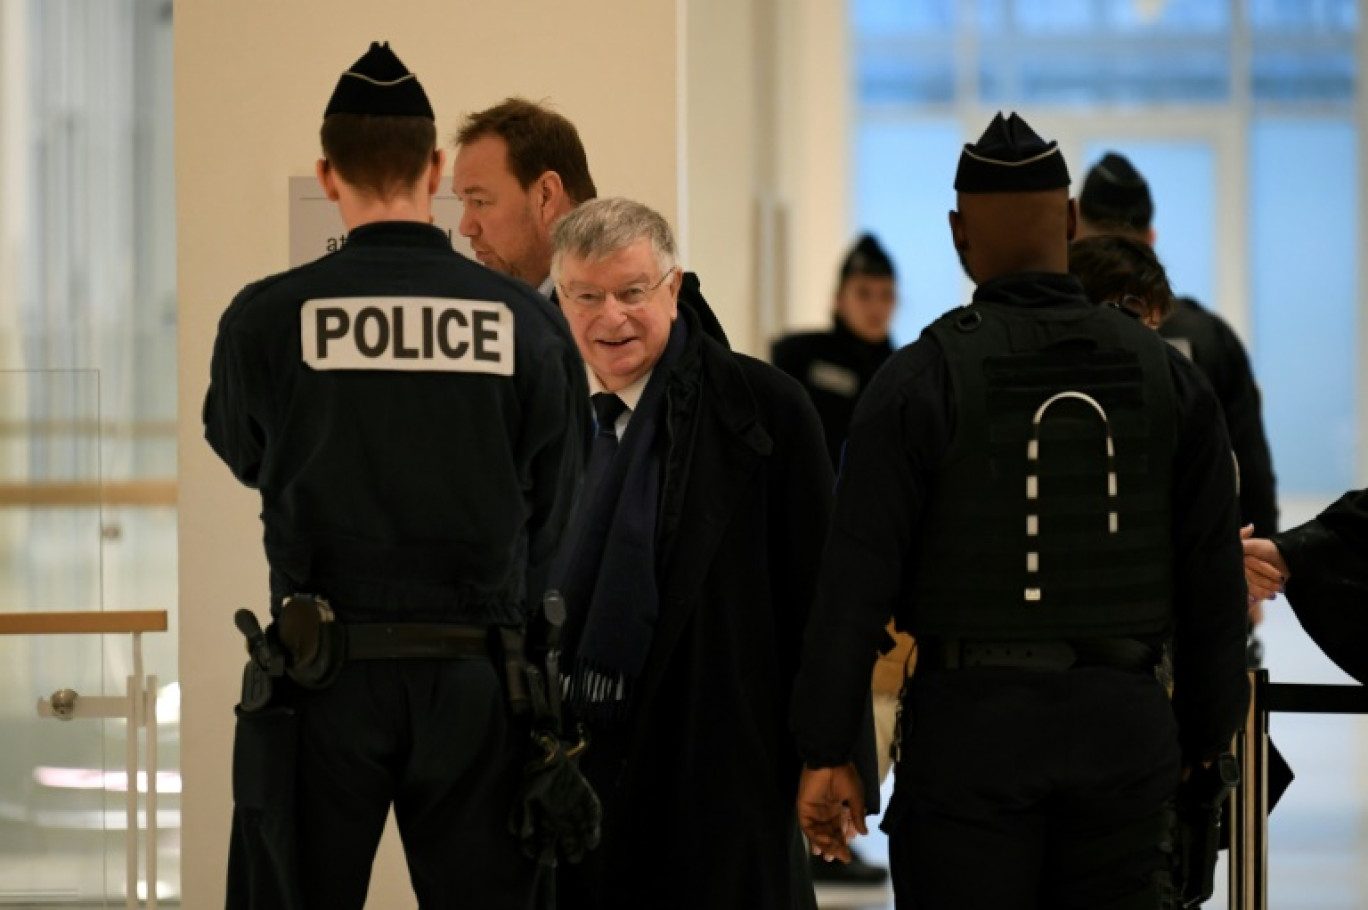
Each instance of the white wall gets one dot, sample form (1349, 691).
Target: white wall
(252, 78)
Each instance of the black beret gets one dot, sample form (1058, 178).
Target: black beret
(379, 85)
(1115, 189)
(866, 257)
(1010, 158)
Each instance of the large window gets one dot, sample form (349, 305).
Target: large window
(1242, 115)
(87, 425)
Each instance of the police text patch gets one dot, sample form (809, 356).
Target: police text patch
(434, 334)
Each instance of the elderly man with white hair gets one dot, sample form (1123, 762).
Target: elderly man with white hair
(687, 575)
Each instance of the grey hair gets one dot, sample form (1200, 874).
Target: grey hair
(601, 227)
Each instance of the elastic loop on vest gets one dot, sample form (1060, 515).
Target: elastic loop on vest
(1033, 593)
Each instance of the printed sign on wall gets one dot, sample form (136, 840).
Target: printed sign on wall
(316, 228)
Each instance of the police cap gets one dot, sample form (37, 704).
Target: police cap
(1114, 191)
(1010, 158)
(867, 257)
(379, 85)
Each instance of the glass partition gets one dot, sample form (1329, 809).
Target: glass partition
(55, 831)
(87, 428)
(71, 540)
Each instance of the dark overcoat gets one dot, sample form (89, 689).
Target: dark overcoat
(703, 811)
(1328, 588)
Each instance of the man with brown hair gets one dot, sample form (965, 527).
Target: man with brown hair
(415, 426)
(519, 167)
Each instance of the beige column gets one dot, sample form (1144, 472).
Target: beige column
(252, 77)
(767, 134)
(722, 132)
(815, 92)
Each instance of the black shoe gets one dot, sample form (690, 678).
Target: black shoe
(855, 872)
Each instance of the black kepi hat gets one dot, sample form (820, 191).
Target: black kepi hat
(1010, 158)
(867, 257)
(1113, 187)
(379, 85)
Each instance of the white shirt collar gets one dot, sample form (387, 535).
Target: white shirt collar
(631, 395)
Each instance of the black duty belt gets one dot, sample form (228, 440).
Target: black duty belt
(963, 654)
(417, 641)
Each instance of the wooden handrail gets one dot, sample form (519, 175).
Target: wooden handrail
(114, 493)
(85, 622)
(139, 429)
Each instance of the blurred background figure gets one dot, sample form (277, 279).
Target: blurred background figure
(1116, 199)
(835, 366)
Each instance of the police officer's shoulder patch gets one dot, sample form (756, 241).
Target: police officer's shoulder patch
(423, 334)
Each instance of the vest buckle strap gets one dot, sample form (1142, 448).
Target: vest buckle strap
(1023, 655)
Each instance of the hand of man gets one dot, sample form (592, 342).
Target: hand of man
(1265, 570)
(831, 809)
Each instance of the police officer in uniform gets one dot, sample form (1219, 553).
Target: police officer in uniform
(836, 366)
(1041, 491)
(416, 426)
(1116, 199)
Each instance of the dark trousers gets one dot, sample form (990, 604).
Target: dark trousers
(1026, 789)
(435, 740)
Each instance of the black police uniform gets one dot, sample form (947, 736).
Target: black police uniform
(834, 367)
(1213, 346)
(415, 424)
(1020, 782)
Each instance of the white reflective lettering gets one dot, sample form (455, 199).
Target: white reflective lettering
(425, 334)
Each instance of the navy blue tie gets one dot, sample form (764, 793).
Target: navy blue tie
(607, 409)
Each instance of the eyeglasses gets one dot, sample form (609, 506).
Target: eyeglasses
(1132, 304)
(1136, 306)
(630, 296)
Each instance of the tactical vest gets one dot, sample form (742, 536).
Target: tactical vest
(1050, 517)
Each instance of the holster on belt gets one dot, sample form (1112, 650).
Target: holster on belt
(265, 662)
(1201, 799)
(314, 640)
(263, 867)
(557, 812)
